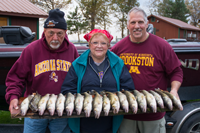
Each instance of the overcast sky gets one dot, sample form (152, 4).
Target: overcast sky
(113, 30)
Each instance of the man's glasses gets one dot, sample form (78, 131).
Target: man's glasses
(59, 34)
(101, 43)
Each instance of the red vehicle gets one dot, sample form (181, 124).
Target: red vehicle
(186, 121)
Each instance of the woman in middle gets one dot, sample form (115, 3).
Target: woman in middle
(97, 69)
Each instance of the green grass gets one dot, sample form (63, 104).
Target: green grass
(5, 118)
(193, 100)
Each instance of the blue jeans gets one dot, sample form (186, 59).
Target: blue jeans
(39, 125)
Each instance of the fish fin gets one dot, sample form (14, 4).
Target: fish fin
(93, 92)
(43, 101)
(103, 92)
(79, 100)
(89, 92)
(158, 89)
(16, 114)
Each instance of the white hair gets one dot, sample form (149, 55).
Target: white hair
(137, 9)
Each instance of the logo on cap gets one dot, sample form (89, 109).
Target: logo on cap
(51, 23)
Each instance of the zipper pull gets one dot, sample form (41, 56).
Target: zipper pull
(100, 83)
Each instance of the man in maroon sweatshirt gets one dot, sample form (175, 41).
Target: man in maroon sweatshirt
(151, 61)
(42, 68)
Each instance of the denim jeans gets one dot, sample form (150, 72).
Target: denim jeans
(39, 125)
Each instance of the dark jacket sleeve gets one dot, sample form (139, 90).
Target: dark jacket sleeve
(70, 82)
(126, 81)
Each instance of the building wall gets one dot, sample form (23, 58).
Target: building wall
(28, 22)
(164, 30)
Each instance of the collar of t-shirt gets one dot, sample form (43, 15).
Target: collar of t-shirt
(100, 67)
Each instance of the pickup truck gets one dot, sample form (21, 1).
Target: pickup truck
(186, 121)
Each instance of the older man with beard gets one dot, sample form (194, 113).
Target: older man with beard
(151, 61)
(42, 68)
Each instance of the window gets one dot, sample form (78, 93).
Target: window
(185, 34)
(189, 35)
(153, 19)
(194, 35)
(154, 31)
(3, 22)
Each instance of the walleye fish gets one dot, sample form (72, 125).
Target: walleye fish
(51, 104)
(114, 101)
(166, 99)
(33, 105)
(25, 105)
(142, 103)
(97, 104)
(151, 101)
(175, 100)
(106, 104)
(158, 98)
(87, 104)
(60, 104)
(79, 103)
(123, 101)
(42, 104)
(69, 104)
(132, 101)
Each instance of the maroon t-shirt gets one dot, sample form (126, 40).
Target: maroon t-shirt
(150, 64)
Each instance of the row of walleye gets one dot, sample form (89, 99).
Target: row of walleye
(105, 101)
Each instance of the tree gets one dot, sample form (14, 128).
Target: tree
(180, 11)
(165, 8)
(76, 23)
(93, 10)
(194, 9)
(121, 9)
(153, 6)
(105, 16)
(48, 5)
(171, 8)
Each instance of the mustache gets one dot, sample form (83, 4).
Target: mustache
(137, 30)
(55, 41)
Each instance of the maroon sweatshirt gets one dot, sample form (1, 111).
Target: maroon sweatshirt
(40, 69)
(150, 63)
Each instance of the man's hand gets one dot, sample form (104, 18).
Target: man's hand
(175, 85)
(13, 105)
(175, 93)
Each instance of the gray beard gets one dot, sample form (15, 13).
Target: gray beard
(53, 46)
